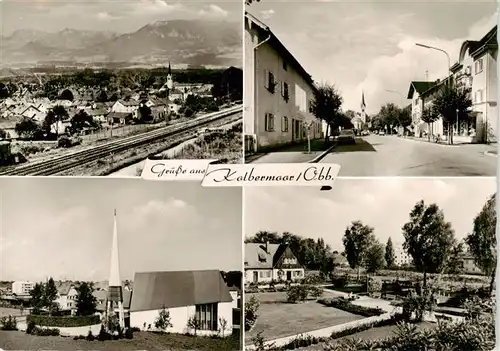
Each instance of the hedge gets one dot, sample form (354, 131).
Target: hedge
(347, 306)
(65, 321)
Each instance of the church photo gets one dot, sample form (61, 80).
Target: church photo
(125, 259)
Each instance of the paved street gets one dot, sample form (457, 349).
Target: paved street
(393, 156)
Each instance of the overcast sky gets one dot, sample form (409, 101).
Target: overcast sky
(383, 204)
(63, 227)
(370, 45)
(110, 15)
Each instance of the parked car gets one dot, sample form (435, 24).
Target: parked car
(381, 132)
(346, 136)
(364, 133)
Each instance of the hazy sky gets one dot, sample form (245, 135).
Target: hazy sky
(383, 204)
(370, 45)
(63, 227)
(111, 15)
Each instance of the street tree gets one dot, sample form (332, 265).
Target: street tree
(482, 242)
(404, 117)
(374, 258)
(53, 118)
(429, 116)
(429, 239)
(326, 106)
(389, 254)
(357, 240)
(80, 121)
(28, 128)
(388, 115)
(36, 301)
(452, 103)
(86, 302)
(50, 295)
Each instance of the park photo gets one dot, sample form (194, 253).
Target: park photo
(372, 264)
(119, 264)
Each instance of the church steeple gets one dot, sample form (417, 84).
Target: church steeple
(170, 82)
(115, 295)
(363, 107)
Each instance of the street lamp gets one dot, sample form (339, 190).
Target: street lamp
(437, 49)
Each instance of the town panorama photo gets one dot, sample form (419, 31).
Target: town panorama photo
(93, 88)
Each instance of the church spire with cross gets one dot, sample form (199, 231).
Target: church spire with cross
(363, 107)
(170, 82)
(114, 303)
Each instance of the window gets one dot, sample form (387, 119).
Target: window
(284, 91)
(269, 122)
(311, 106)
(285, 66)
(284, 124)
(297, 274)
(269, 82)
(207, 316)
(290, 261)
(265, 274)
(478, 96)
(478, 66)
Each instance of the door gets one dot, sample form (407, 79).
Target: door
(289, 275)
(293, 129)
(255, 277)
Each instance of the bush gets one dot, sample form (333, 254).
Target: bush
(251, 312)
(64, 142)
(347, 306)
(45, 331)
(104, 335)
(135, 329)
(8, 323)
(296, 293)
(340, 281)
(64, 321)
(129, 333)
(374, 285)
(90, 336)
(30, 327)
(418, 304)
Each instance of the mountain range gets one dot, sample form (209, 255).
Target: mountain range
(190, 42)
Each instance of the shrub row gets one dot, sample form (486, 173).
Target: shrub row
(34, 330)
(64, 321)
(347, 306)
(8, 323)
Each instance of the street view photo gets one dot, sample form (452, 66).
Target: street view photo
(94, 88)
(361, 267)
(119, 264)
(380, 88)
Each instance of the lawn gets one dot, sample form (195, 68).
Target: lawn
(369, 334)
(16, 340)
(278, 319)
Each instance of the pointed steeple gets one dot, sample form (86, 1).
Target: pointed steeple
(114, 273)
(363, 104)
(169, 70)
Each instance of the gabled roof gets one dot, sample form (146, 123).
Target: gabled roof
(420, 87)
(476, 46)
(262, 255)
(129, 103)
(155, 290)
(278, 46)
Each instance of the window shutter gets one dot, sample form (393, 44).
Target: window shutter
(266, 127)
(266, 78)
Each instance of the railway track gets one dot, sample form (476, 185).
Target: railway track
(79, 158)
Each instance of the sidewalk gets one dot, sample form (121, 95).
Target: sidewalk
(297, 153)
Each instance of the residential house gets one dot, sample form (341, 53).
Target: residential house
(416, 94)
(265, 262)
(176, 94)
(8, 125)
(67, 295)
(119, 118)
(129, 106)
(468, 264)
(97, 114)
(186, 294)
(278, 92)
(22, 287)
(34, 113)
(401, 255)
(477, 69)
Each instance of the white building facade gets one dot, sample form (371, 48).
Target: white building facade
(22, 287)
(277, 92)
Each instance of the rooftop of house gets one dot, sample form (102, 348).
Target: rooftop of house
(420, 87)
(169, 289)
(262, 255)
(278, 45)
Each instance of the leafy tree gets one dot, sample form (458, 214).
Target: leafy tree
(452, 102)
(86, 302)
(28, 128)
(145, 114)
(482, 242)
(429, 116)
(326, 106)
(80, 121)
(251, 312)
(163, 321)
(194, 324)
(357, 240)
(429, 239)
(54, 116)
(37, 301)
(404, 117)
(389, 116)
(222, 325)
(50, 294)
(102, 97)
(389, 254)
(374, 259)
(3, 134)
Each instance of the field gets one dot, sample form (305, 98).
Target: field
(16, 340)
(277, 318)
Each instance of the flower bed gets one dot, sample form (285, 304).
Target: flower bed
(64, 321)
(348, 306)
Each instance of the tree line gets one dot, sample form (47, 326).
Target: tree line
(429, 241)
